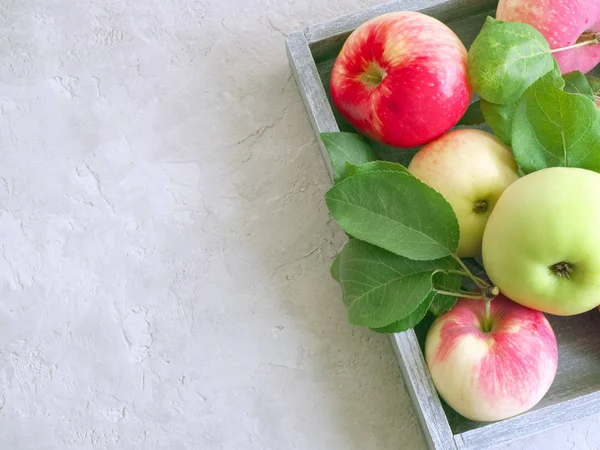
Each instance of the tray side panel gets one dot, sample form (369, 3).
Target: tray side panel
(311, 89)
(529, 424)
(422, 391)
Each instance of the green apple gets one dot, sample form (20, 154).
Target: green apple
(471, 169)
(541, 245)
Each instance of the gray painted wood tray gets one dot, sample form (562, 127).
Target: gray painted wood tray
(575, 393)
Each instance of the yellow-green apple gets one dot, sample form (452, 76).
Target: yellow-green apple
(562, 23)
(401, 79)
(489, 373)
(541, 245)
(471, 169)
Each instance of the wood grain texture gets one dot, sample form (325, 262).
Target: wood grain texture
(431, 415)
(533, 422)
(311, 89)
(440, 9)
(575, 393)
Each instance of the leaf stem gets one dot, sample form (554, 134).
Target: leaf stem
(481, 284)
(594, 41)
(460, 294)
(458, 272)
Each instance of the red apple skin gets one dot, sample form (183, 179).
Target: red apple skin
(491, 376)
(423, 90)
(561, 22)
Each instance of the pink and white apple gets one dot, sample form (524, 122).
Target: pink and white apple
(562, 23)
(401, 79)
(471, 169)
(491, 375)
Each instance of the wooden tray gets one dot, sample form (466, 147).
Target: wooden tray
(575, 393)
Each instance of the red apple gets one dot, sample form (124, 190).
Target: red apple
(401, 79)
(563, 23)
(489, 376)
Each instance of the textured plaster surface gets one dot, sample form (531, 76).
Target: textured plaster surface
(164, 244)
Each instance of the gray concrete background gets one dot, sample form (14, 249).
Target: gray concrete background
(164, 243)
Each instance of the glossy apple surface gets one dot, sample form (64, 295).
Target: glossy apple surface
(471, 169)
(541, 245)
(401, 79)
(489, 376)
(562, 23)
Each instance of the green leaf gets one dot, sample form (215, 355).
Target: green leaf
(505, 59)
(472, 116)
(576, 83)
(372, 166)
(446, 282)
(499, 118)
(594, 83)
(436, 303)
(346, 147)
(335, 268)
(379, 287)
(396, 212)
(411, 320)
(442, 304)
(393, 154)
(553, 128)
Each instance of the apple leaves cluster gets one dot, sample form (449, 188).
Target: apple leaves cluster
(403, 238)
(549, 120)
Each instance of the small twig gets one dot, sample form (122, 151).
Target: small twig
(481, 284)
(457, 272)
(591, 39)
(459, 294)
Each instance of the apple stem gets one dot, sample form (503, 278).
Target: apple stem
(488, 295)
(593, 40)
(487, 306)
